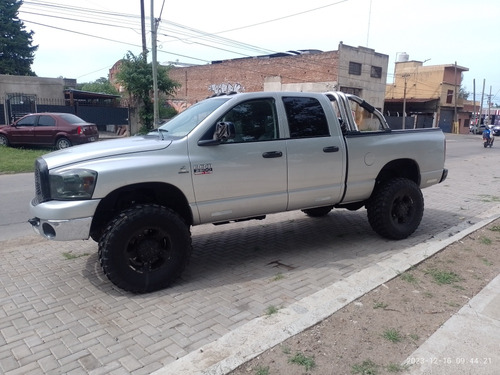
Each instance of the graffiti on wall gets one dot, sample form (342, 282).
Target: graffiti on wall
(225, 88)
(178, 105)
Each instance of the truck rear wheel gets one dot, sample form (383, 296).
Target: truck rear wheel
(145, 248)
(396, 208)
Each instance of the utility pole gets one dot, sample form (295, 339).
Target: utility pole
(143, 29)
(405, 76)
(474, 93)
(154, 28)
(489, 107)
(455, 117)
(481, 107)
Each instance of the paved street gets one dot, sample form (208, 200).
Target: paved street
(16, 191)
(60, 315)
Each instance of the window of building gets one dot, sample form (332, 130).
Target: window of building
(306, 117)
(354, 68)
(351, 90)
(376, 72)
(449, 97)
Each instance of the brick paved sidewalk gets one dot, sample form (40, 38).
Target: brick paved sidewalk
(59, 314)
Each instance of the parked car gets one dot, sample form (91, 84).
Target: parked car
(60, 130)
(496, 130)
(474, 130)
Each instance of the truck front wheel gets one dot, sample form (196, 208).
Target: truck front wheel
(396, 208)
(145, 248)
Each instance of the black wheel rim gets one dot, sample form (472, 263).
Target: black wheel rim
(402, 210)
(148, 250)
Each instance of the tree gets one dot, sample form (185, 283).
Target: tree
(100, 85)
(463, 93)
(136, 76)
(16, 52)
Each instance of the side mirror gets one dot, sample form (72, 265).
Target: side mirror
(224, 131)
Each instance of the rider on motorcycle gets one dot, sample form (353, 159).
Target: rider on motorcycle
(488, 136)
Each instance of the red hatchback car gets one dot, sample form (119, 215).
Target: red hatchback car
(49, 129)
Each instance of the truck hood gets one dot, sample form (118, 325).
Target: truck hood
(104, 149)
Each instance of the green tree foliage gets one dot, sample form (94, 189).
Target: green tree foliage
(101, 85)
(136, 76)
(463, 93)
(16, 51)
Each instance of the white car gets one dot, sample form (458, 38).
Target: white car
(474, 130)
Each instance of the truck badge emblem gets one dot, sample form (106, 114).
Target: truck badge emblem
(205, 168)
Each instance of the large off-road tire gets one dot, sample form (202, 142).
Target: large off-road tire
(145, 248)
(396, 208)
(318, 211)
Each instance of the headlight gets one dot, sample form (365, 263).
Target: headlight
(73, 184)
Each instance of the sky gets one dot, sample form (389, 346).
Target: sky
(84, 39)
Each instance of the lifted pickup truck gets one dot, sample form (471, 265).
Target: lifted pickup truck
(231, 158)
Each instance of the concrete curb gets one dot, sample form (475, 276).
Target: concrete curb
(260, 334)
(468, 343)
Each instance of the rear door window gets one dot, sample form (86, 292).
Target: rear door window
(46, 121)
(306, 117)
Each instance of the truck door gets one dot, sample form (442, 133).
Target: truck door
(245, 176)
(316, 157)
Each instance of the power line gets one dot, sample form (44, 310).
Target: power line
(81, 33)
(103, 38)
(74, 9)
(213, 38)
(75, 20)
(192, 33)
(180, 32)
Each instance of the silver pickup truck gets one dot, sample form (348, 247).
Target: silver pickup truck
(231, 158)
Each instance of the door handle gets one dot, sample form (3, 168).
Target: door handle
(331, 149)
(272, 154)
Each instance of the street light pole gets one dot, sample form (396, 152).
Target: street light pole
(154, 28)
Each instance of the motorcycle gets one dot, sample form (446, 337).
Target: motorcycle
(488, 141)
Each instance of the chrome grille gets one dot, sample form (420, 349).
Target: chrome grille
(42, 187)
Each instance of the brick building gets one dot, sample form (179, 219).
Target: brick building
(356, 70)
(429, 96)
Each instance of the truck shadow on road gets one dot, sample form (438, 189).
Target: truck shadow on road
(292, 246)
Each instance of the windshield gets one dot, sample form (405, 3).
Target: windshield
(186, 121)
(72, 119)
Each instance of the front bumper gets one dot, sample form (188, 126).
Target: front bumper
(62, 230)
(63, 220)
